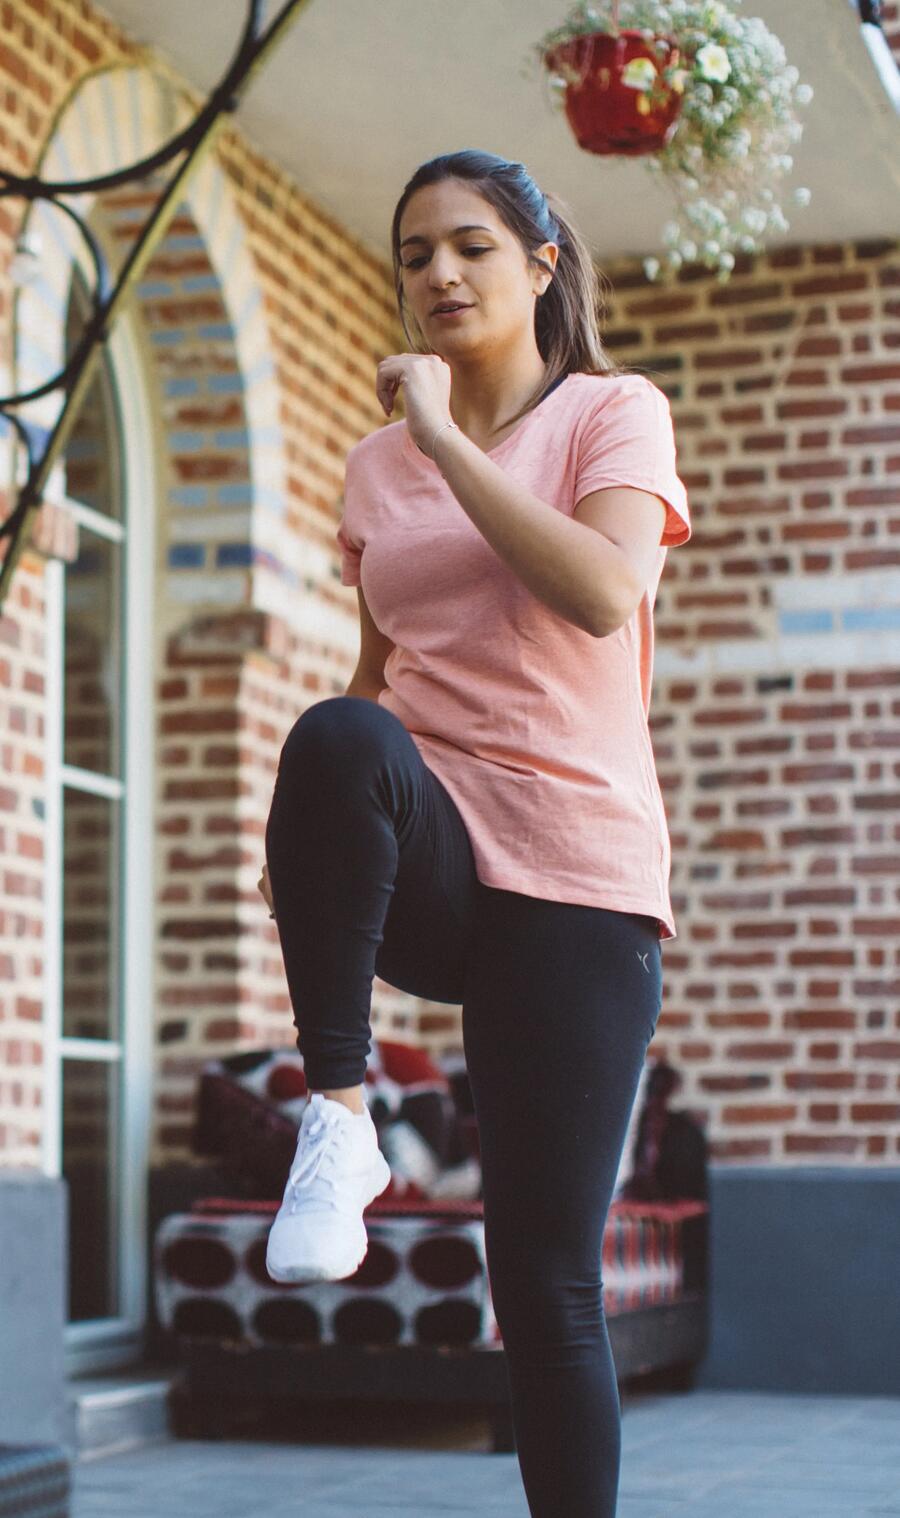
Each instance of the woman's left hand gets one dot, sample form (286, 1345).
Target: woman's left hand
(426, 381)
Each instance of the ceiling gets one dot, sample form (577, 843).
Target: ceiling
(357, 94)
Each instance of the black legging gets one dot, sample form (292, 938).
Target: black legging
(372, 872)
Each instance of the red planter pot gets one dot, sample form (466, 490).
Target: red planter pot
(601, 110)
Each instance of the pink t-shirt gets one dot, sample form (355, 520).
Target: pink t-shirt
(537, 730)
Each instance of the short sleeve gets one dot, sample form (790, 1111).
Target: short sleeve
(350, 555)
(628, 439)
(350, 550)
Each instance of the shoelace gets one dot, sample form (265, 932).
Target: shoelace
(316, 1147)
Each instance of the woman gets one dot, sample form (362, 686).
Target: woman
(478, 819)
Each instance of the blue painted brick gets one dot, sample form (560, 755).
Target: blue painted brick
(234, 554)
(187, 556)
(190, 495)
(238, 494)
(872, 618)
(225, 384)
(186, 243)
(816, 621)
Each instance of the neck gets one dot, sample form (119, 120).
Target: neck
(484, 396)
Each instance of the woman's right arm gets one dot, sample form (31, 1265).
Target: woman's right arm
(374, 647)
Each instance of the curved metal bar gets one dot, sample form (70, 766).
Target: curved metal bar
(76, 375)
(32, 187)
(94, 328)
(100, 294)
(24, 435)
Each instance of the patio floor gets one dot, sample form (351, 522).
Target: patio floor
(707, 1454)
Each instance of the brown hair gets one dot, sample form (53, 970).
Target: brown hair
(568, 314)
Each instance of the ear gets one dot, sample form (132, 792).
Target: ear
(549, 252)
(634, 521)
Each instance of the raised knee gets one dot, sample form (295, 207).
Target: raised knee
(334, 726)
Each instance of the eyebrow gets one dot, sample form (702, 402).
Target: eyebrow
(473, 226)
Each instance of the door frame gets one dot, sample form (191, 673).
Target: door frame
(107, 1343)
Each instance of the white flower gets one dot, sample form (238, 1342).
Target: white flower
(754, 219)
(639, 74)
(713, 62)
(740, 105)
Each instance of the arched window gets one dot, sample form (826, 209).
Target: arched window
(100, 904)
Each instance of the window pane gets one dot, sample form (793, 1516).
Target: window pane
(90, 1124)
(91, 904)
(92, 700)
(92, 458)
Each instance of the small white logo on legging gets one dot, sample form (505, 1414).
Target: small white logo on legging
(643, 960)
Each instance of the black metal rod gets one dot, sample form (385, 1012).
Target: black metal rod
(75, 377)
(31, 187)
(870, 10)
(100, 296)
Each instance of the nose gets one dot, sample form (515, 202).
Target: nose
(441, 271)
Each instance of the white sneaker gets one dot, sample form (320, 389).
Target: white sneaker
(318, 1233)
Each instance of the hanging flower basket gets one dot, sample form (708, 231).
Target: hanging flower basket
(608, 84)
(706, 97)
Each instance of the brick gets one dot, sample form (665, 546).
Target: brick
(779, 783)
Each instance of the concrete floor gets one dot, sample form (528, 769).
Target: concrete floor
(700, 1454)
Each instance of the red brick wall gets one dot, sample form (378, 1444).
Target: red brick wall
(218, 978)
(778, 770)
(775, 749)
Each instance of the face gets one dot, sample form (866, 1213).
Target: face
(484, 267)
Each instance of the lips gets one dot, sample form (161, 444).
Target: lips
(457, 305)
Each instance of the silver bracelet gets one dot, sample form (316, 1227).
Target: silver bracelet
(434, 439)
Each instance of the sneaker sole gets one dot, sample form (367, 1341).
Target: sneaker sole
(299, 1274)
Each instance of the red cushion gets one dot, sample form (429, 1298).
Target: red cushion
(408, 1065)
(285, 1081)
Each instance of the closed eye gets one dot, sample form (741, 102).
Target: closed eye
(415, 262)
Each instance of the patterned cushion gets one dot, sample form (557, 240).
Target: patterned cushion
(250, 1106)
(424, 1279)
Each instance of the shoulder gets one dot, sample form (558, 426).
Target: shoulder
(382, 444)
(606, 389)
(611, 403)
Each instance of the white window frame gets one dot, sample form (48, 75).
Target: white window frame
(107, 1343)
